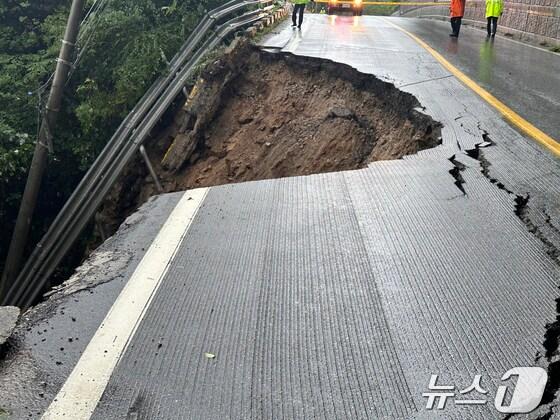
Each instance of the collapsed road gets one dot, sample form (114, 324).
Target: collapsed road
(333, 295)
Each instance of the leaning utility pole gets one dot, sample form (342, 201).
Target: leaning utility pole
(42, 147)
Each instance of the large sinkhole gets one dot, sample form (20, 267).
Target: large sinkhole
(254, 115)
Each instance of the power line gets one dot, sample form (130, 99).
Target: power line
(40, 155)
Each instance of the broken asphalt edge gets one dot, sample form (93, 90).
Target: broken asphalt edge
(9, 315)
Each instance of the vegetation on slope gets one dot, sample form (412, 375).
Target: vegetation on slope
(128, 45)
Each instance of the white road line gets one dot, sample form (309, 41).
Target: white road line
(84, 387)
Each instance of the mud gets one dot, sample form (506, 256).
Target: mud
(256, 115)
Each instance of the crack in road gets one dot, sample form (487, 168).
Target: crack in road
(522, 209)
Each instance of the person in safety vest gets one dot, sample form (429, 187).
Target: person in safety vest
(299, 7)
(457, 9)
(494, 9)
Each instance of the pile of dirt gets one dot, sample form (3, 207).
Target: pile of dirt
(256, 115)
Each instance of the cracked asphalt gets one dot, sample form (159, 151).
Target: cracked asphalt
(335, 295)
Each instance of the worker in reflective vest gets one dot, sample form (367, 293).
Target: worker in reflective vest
(299, 7)
(457, 9)
(494, 9)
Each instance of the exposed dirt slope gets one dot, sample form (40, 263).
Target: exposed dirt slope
(256, 115)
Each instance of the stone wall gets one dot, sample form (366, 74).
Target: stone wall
(533, 20)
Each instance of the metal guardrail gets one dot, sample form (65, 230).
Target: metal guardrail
(122, 146)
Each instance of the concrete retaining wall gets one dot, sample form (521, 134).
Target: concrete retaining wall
(531, 20)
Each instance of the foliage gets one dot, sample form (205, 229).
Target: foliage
(127, 46)
(380, 10)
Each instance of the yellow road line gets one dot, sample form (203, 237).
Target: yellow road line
(509, 114)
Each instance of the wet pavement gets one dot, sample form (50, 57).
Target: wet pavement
(327, 296)
(526, 78)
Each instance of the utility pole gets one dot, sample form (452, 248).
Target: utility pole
(42, 148)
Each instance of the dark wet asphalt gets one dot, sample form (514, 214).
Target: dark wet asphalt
(524, 77)
(335, 295)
